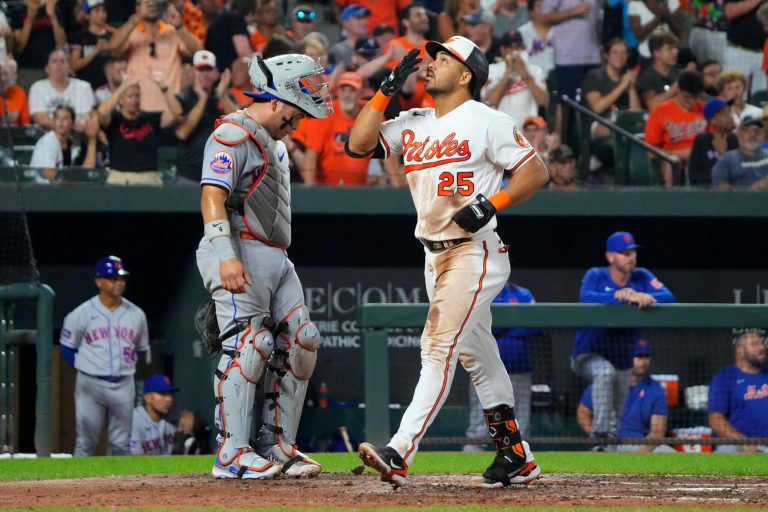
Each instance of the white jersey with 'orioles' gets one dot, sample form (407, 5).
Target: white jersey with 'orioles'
(448, 161)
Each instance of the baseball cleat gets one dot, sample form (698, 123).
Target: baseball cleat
(296, 464)
(504, 472)
(246, 465)
(387, 462)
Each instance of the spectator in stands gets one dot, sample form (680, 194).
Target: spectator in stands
(710, 73)
(277, 45)
(611, 88)
(133, 133)
(241, 83)
(371, 63)
(383, 34)
(151, 434)
(536, 131)
(604, 357)
(516, 356)
(89, 48)
(562, 169)
(656, 84)
(416, 23)
(710, 145)
(479, 29)
(354, 20)
(382, 13)
(707, 38)
(58, 89)
(762, 17)
(6, 36)
(450, 22)
(645, 409)
(201, 104)
(673, 124)
(56, 149)
(151, 46)
(747, 166)
(37, 31)
(577, 49)
(510, 15)
(266, 17)
(14, 109)
(538, 38)
(192, 18)
(228, 37)
(746, 39)
(732, 85)
(114, 71)
(325, 162)
(738, 395)
(303, 19)
(515, 86)
(649, 16)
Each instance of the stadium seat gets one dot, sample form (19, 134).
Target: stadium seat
(166, 163)
(26, 135)
(641, 170)
(82, 175)
(22, 173)
(632, 121)
(759, 99)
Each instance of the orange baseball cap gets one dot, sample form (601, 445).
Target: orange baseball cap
(537, 120)
(352, 79)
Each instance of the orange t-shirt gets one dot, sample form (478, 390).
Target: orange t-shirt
(670, 126)
(17, 105)
(381, 12)
(192, 18)
(405, 43)
(258, 41)
(327, 137)
(241, 100)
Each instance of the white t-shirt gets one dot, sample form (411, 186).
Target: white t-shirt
(48, 154)
(517, 102)
(749, 111)
(541, 52)
(44, 98)
(638, 8)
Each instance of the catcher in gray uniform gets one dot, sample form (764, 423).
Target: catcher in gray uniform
(242, 258)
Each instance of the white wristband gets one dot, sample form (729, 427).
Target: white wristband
(217, 232)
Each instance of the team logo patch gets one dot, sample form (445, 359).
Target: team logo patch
(657, 284)
(222, 163)
(520, 138)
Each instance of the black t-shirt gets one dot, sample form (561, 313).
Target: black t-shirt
(133, 142)
(189, 154)
(704, 157)
(598, 80)
(41, 42)
(494, 51)
(746, 30)
(84, 42)
(651, 80)
(219, 37)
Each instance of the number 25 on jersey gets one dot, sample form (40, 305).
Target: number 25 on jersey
(462, 180)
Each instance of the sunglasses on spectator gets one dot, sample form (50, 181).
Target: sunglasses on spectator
(305, 16)
(152, 49)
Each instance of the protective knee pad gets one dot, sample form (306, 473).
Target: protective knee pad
(290, 367)
(235, 383)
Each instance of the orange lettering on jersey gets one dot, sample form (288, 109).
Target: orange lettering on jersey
(448, 150)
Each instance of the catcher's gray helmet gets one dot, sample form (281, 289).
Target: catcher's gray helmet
(294, 79)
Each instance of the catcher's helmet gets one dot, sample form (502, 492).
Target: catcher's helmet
(468, 54)
(110, 266)
(294, 79)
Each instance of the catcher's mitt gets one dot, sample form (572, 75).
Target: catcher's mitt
(207, 325)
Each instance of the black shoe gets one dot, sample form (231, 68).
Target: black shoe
(600, 441)
(503, 471)
(386, 461)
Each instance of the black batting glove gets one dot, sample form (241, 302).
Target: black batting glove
(474, 216)
(392, 84)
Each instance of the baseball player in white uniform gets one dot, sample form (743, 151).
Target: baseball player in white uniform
(455, 155)
(242, 258)
(151, 434)
(102, 339)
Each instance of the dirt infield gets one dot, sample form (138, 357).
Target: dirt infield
(347, 491)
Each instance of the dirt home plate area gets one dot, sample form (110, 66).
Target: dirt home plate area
(350, 491)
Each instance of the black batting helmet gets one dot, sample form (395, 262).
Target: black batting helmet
(469, 54)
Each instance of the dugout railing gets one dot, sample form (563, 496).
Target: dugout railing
(374, 320)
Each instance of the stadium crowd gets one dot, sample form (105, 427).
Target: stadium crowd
(150, 80)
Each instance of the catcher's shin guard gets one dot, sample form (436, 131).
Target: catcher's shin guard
(285, 387)
(240, 368)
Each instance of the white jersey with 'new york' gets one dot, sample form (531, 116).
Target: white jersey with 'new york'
(450, 160)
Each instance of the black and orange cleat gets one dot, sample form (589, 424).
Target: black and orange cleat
(386, 461)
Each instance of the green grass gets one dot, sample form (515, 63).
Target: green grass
(426, 462)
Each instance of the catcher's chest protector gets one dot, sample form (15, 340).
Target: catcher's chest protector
(266, 207)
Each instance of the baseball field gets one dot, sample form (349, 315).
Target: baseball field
(437, 480)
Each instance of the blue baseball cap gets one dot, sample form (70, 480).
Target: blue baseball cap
(642, 347)
(110, 266)
(714, 105)
(354, 11)
(90, 4)
(158, 383)
(621, 241)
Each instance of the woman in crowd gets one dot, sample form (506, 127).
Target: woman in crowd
(56, 149)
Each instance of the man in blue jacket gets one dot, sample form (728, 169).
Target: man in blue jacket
(604, 356)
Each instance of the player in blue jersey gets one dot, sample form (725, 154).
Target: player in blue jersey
(738, 395)
(604, 356)
(513, 350)
(645, 407)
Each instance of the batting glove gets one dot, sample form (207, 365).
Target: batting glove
(392, 84)
(474, 216)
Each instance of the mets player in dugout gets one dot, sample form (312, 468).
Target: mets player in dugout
(260, 310)
(455, 156)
